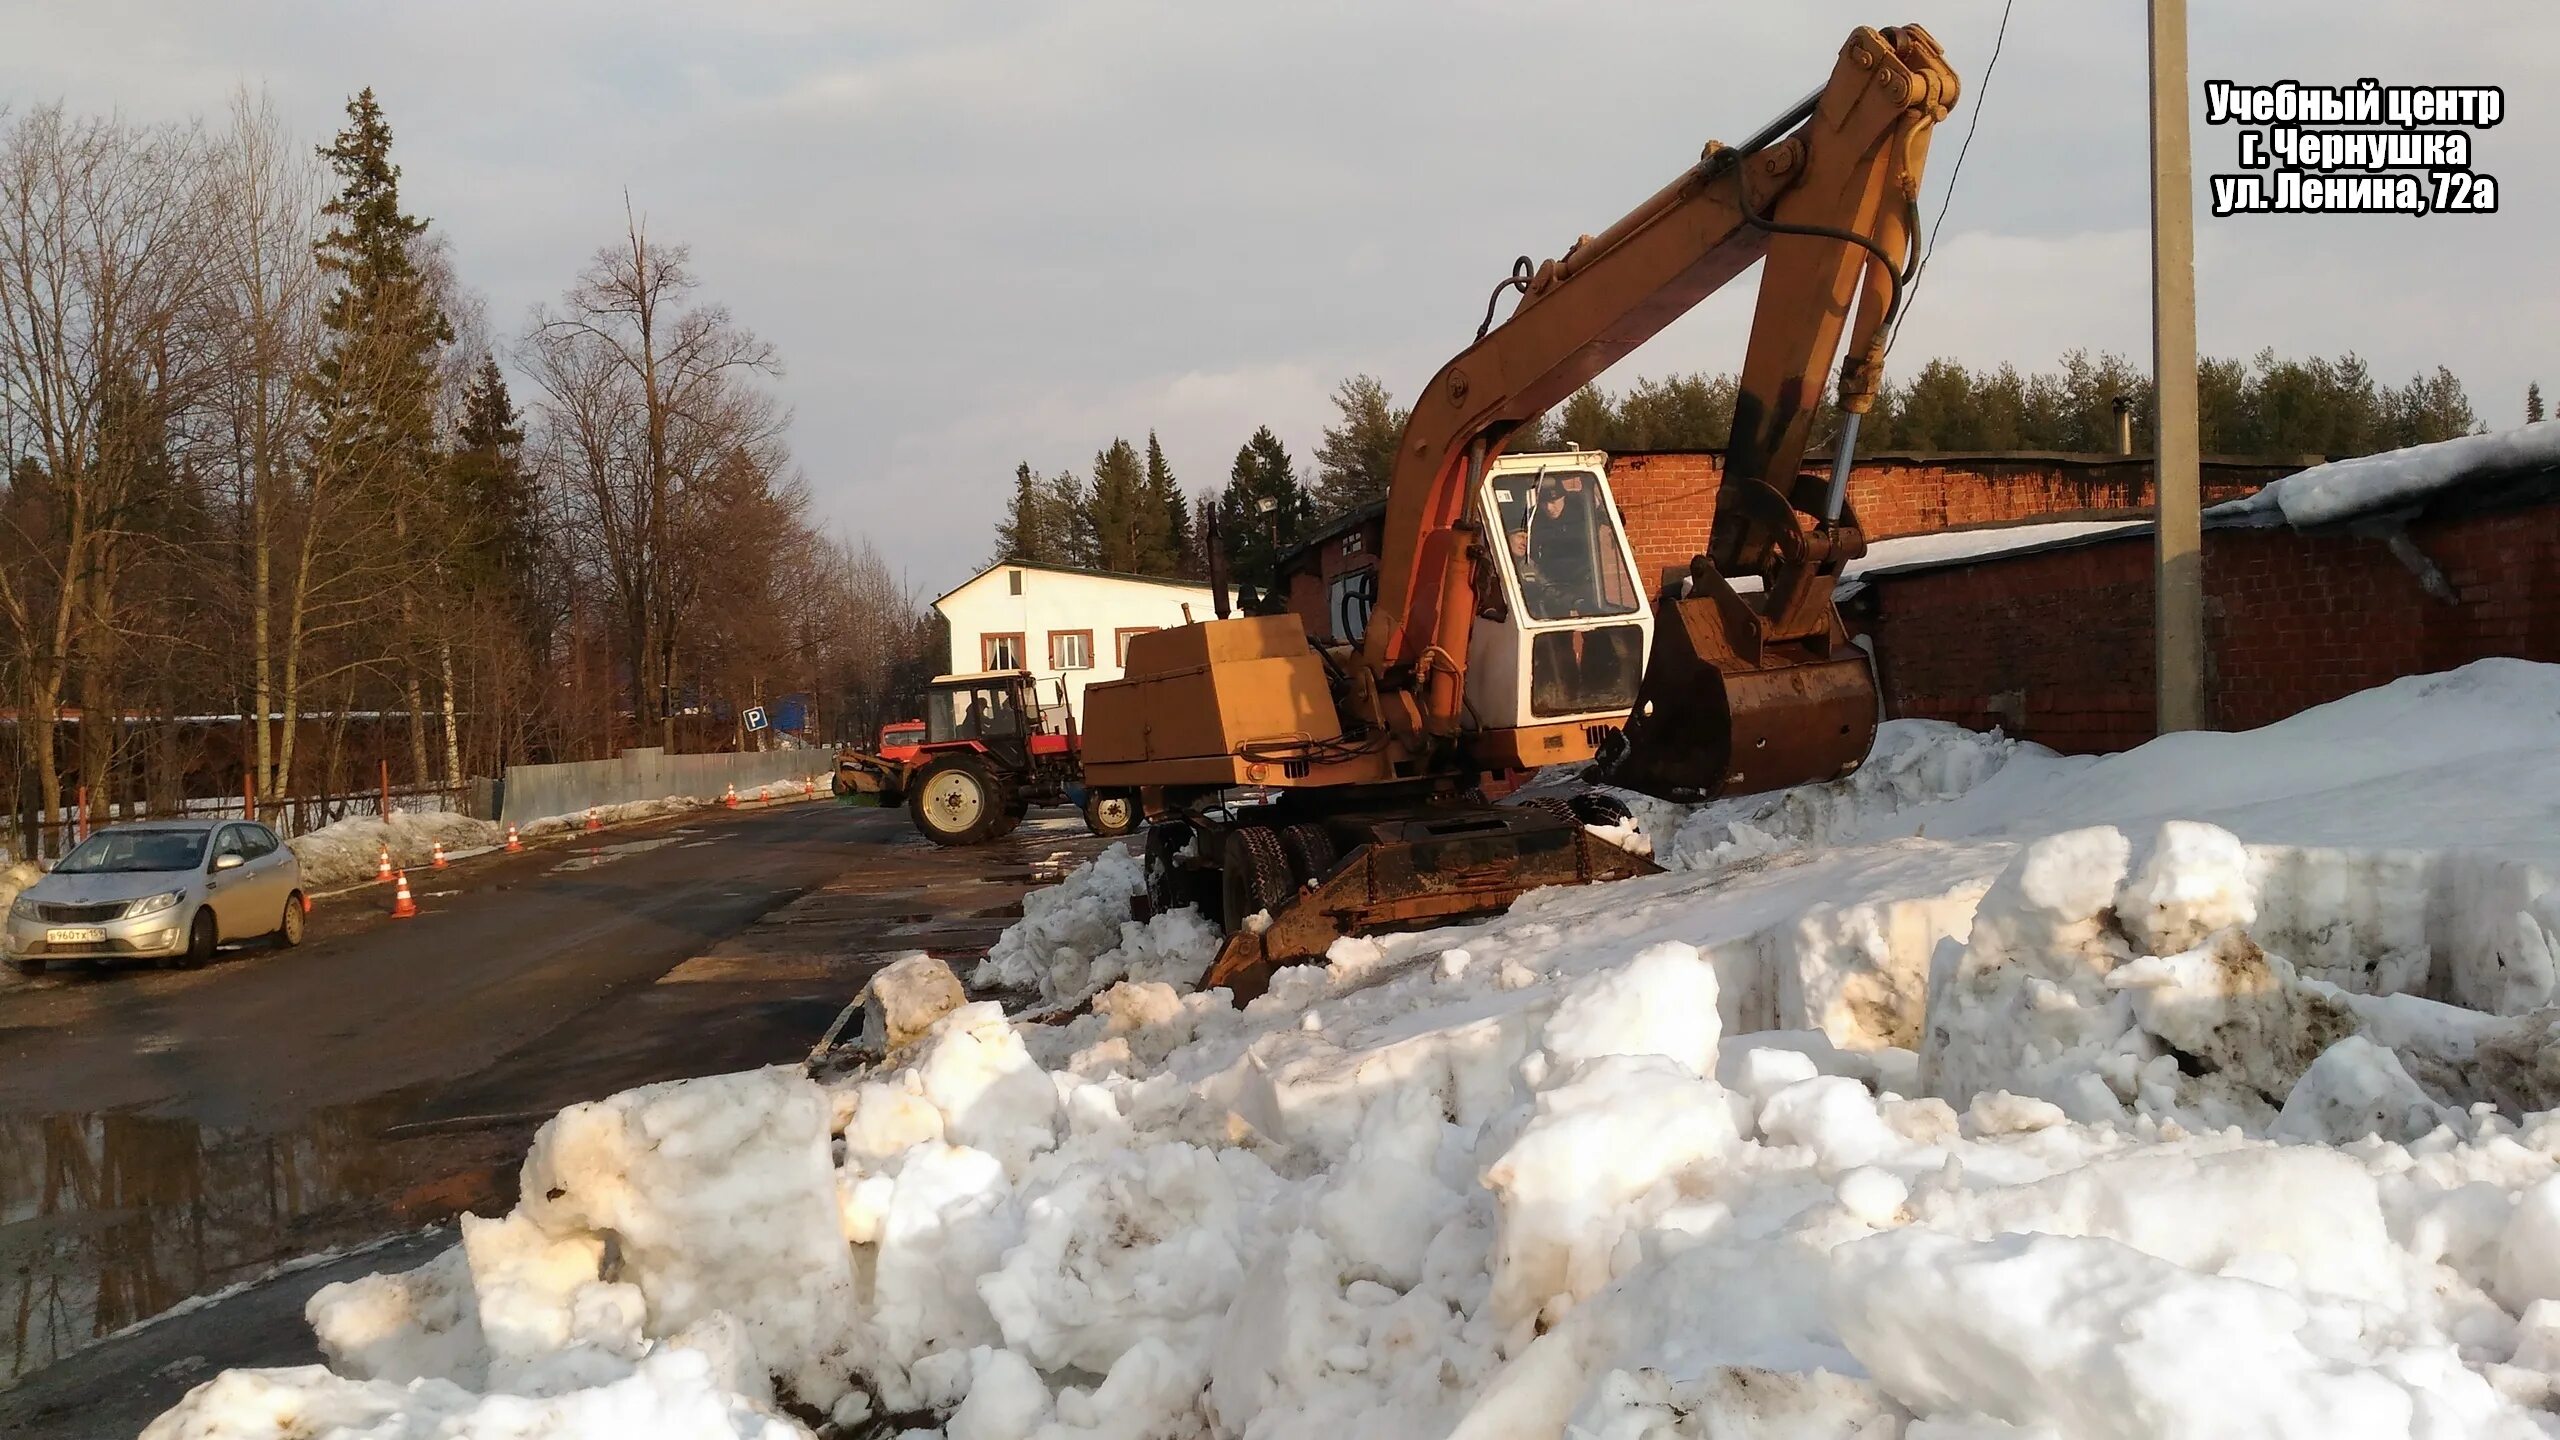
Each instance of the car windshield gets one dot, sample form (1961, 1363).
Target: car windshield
(125, 852)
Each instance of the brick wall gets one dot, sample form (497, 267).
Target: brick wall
(1669, 497)
(2057, 646)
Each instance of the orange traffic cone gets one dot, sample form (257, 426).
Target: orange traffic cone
(403, 905)
(732, 799)
(439, 855)
(808, 789)
(593, 824)
(382, 867)
(515, 842)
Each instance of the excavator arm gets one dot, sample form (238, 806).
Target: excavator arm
(1826, 196)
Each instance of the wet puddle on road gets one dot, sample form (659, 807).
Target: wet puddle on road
(108, 1219)
(607, 854)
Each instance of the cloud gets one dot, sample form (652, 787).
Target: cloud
(1012, 230)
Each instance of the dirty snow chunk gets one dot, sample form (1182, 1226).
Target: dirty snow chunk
(1764, 1404)
(1065, 924)
(950, 1218)
(2529, 1248)
(2238, 1010)
(1007, 1399)
(1177, 1215)
(1661, 1002)
(1565, 1190)
(719, 1194)
(901, 1002)
(404, 1325)
(1387, 1200)
(2316, 1210)
(2195, 881)
(2095, 1339)
(992, 1095)
(2355, 1089)
(345, 852)
(674, 1393)
(551, 1322)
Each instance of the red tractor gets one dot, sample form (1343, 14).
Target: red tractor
(991, 750)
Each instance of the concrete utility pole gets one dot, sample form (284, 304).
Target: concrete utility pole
(2179, 617)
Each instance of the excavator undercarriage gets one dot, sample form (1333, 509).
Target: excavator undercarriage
(1301, 791)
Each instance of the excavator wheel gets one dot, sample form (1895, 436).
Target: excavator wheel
(1309, 847)
(1110, 813)
(959, 800)
(1254, 875)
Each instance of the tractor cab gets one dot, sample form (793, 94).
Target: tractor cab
(999, 712)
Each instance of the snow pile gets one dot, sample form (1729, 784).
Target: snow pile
(1915, 763)
(2344, 489)
(345, 852)
(624, 814)
(2186, 1142)
(1075, 938)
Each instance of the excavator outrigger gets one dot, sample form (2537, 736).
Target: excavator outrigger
(1509, 630)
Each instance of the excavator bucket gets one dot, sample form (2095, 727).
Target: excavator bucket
(1722, 712)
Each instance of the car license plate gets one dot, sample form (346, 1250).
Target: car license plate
(74, 937)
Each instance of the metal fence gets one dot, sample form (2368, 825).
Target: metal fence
(50, 837)
(534, 791)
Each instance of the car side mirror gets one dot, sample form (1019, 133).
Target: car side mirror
(229, 862)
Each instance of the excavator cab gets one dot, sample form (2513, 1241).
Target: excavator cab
(1560, 637)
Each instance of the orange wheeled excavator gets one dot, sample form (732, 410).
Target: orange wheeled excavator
(1300, 792)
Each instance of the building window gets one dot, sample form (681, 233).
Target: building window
(1070, 649)
(1013, 578)
(1000, 652)
(1120, 642)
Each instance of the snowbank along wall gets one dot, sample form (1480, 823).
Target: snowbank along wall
(534, 791)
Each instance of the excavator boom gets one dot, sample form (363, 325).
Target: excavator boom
(1825, 196)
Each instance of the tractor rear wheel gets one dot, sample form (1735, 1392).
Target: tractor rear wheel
(1110, 813)
(960, 801)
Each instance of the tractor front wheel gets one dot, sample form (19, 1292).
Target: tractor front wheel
(959, 801)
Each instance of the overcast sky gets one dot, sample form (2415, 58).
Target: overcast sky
(989, 232)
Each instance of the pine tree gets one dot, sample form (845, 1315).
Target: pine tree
(1067, 522)
(1358, 456)
(1589, 420)
(2533, 403)
(1256, 537)
(494, 494)
(376, 381)
(1126, 520)
(1022, 535)
(376, 378)
(1165, 493)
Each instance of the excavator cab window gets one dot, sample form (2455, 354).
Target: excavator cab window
(1561, 543)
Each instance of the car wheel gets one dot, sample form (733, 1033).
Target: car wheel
(289, 929)
(958, 801)
(202, 936)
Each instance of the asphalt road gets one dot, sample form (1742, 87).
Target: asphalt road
(165, 1134)
(506, 950)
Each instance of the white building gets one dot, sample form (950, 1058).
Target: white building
(1059, 622)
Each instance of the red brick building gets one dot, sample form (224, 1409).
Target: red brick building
(1669, 496)
(2053, 643)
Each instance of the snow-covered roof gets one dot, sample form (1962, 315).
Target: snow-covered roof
(2346, 489)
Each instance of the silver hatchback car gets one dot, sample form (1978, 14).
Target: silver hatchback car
(164, 890)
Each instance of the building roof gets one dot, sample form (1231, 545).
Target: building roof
(1333, 529)
(1166, 580)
